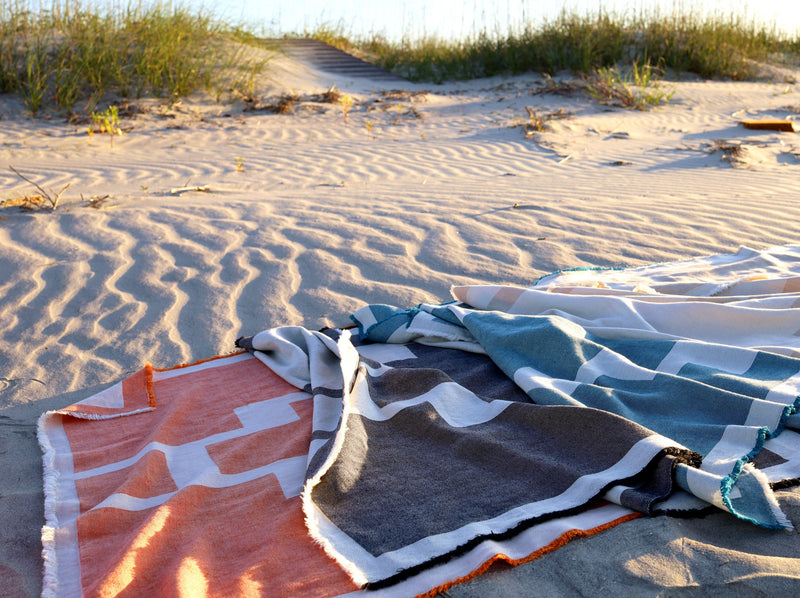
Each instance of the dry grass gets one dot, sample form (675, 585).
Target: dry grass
(43, 200)
(403, 95)
(538, 123)
(286, 104)
(332, 96)
(732, 152)
(562, 88)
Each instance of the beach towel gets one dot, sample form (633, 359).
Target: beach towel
(182, 483)
(437, 439)
(187, 482)
(625, 398)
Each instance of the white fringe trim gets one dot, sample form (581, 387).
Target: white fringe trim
(312, 514)
(50, 482)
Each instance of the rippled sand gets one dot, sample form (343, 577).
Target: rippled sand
(307, 218)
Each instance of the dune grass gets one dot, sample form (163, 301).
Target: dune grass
(712, 46)
(70, 54)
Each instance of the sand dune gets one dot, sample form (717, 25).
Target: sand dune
(307, 218)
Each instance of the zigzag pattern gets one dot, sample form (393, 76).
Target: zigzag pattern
(191, 464)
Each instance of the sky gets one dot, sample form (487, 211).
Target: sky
(459, 18)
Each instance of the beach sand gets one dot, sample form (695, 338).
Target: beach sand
(307, 216)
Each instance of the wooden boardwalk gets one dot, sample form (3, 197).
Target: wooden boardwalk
(332, 60)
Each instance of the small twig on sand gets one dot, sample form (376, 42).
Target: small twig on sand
(54, 199)
(97, 201)
(179, 190)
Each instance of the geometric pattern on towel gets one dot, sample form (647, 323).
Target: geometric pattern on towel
(187, 482)
(411, 469)
(717, 373)
(183, 482)
(192, 477)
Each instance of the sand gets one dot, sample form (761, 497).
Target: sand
(307, 216)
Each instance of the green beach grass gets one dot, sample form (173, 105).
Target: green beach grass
(721, 46)
(69, 55)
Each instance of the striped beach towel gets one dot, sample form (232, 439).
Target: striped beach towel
(436, 440)
(187, 482)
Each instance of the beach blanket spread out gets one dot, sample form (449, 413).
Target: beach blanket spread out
(443, 437)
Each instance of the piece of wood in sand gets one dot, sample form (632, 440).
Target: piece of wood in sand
(179, 190)
(769, 125)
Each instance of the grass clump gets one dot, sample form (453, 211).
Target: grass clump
(539, 123)
(77, 52)
(637, 88)
(708, 45)
(106, 122)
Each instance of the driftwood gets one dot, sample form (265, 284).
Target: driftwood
(769, 125)
(179, 190)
